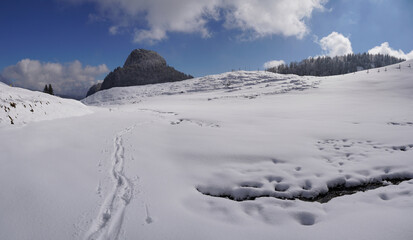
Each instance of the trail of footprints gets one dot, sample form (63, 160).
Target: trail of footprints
(196, 122)
(167, 115)
(401, 123)
(108, 223)
(282, 180)
(351, 149)
(342, 152)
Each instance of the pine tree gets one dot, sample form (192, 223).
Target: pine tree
(46, 89)
(325, 65)
(51, 89)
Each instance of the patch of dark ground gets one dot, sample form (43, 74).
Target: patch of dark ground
(333, 192)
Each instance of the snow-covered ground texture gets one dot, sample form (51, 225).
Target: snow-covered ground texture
(219, 161)
(20, 106)
(227, 85)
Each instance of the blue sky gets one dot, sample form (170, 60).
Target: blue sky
(61, 38)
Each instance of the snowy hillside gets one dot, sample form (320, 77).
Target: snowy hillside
(226, 85)
(19, 106)
(239, 155)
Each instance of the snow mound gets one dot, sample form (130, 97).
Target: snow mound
(226, 85)
(20, 106)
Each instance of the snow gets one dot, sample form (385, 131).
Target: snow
(227, 85)
(20, 106)
(144, 162)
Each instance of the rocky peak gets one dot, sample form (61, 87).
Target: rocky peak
(144, 58)
(141, 67)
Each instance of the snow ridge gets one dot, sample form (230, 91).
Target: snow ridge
(109, 221)
(239, 84)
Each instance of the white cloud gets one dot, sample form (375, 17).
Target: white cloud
(152, 20)
(70, 79)
(385, 49)
(114, 30)
(268, 17)
(273, 63)
(335, 44)
(4, 80)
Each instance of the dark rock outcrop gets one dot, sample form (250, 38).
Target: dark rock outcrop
(94, 89)
(144, 59)
(141, 67)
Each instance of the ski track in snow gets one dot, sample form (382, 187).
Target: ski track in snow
(108, 223)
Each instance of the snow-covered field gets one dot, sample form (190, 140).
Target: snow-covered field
(240, 155)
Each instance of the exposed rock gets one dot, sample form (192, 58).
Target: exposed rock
(94, 89)
(144, 59)
(141, 67)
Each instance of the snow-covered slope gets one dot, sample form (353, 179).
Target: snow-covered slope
(226, 85)
(242, 155)
(19, 106)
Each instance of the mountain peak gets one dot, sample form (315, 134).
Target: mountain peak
(141, 67)
(144, 58)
